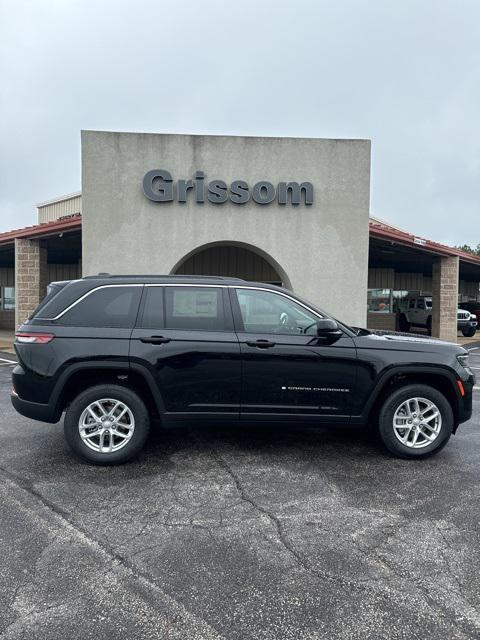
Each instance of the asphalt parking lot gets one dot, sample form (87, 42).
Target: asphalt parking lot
(222, 532)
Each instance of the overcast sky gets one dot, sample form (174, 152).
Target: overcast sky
(405, 74)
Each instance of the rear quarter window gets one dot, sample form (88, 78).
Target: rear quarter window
(114, 307)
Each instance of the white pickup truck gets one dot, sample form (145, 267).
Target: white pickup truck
(417, 312)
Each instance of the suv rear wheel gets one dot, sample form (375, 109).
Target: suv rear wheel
(106, 424)
(415, 421)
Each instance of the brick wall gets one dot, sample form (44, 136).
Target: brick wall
(445, 298)
(30, 277)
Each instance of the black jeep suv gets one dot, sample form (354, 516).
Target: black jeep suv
(115, 351)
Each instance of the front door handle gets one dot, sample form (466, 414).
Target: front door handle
(261, 344)
(155, 340)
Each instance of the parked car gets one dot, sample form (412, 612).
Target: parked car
(114, 352)
(472, 307)
(417, 312)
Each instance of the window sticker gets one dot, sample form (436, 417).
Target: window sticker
(196, 304)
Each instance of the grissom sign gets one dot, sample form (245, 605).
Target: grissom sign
(159, 186)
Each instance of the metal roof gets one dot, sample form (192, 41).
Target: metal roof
(385, 231)
(45, 229)
(69, 196)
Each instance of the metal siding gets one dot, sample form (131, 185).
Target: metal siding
(57, 272)
(57, 210)
(381, 278)
(411, 282)
(229, 261)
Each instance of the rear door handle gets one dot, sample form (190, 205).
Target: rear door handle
(155, 340)
(261, 344)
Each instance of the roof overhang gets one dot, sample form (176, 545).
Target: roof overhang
(44, 230)
(394, 236)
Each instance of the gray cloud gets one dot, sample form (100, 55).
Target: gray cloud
(405, 74)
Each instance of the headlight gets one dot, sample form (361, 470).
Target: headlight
(463, 360)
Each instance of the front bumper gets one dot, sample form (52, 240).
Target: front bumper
(468, 324)
(465, 402)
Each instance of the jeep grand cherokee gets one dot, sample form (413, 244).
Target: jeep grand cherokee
(113, 352)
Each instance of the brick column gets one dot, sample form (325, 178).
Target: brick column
(445, 298)
(30, 277)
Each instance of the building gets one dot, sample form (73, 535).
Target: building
(290, 211)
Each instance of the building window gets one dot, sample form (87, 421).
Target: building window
(380, 300)
(8, 298)
(385, 300)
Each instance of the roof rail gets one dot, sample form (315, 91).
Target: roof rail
(162, 275)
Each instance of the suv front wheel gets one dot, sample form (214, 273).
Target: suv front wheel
(415, 421)
(106, 424)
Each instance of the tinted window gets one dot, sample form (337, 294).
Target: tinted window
(194, 308)
(421, 304)
(268, 312)
(52, 289)
(152, 317)
(411, 304)
(107, 307)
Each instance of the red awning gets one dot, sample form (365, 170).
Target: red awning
(72, 223)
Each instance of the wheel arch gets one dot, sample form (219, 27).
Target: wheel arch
(81, 376)
(440, 379)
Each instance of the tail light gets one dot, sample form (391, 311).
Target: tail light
(24, 337)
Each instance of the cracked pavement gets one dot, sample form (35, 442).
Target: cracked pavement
(240, 533)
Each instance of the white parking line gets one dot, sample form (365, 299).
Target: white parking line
(4, 361)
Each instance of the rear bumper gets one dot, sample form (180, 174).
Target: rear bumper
(35, 410)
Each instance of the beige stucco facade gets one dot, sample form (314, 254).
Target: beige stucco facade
(320, 250)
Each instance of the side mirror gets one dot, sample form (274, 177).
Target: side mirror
(328, 328)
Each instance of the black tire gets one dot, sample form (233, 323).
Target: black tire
(469, 332)
(404, 324)
(394, 401)
(115, 392)
(429, 325)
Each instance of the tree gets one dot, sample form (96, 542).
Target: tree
(468, 249)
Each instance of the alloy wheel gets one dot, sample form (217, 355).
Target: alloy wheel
(417, 422)
(106, 425)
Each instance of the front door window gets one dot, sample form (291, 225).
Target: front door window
(269, 312)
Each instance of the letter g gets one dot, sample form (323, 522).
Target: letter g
(158, 185)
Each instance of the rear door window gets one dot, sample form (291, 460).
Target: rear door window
(113, 306)
(195, 308)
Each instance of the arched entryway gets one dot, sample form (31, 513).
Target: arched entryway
(232, 259)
